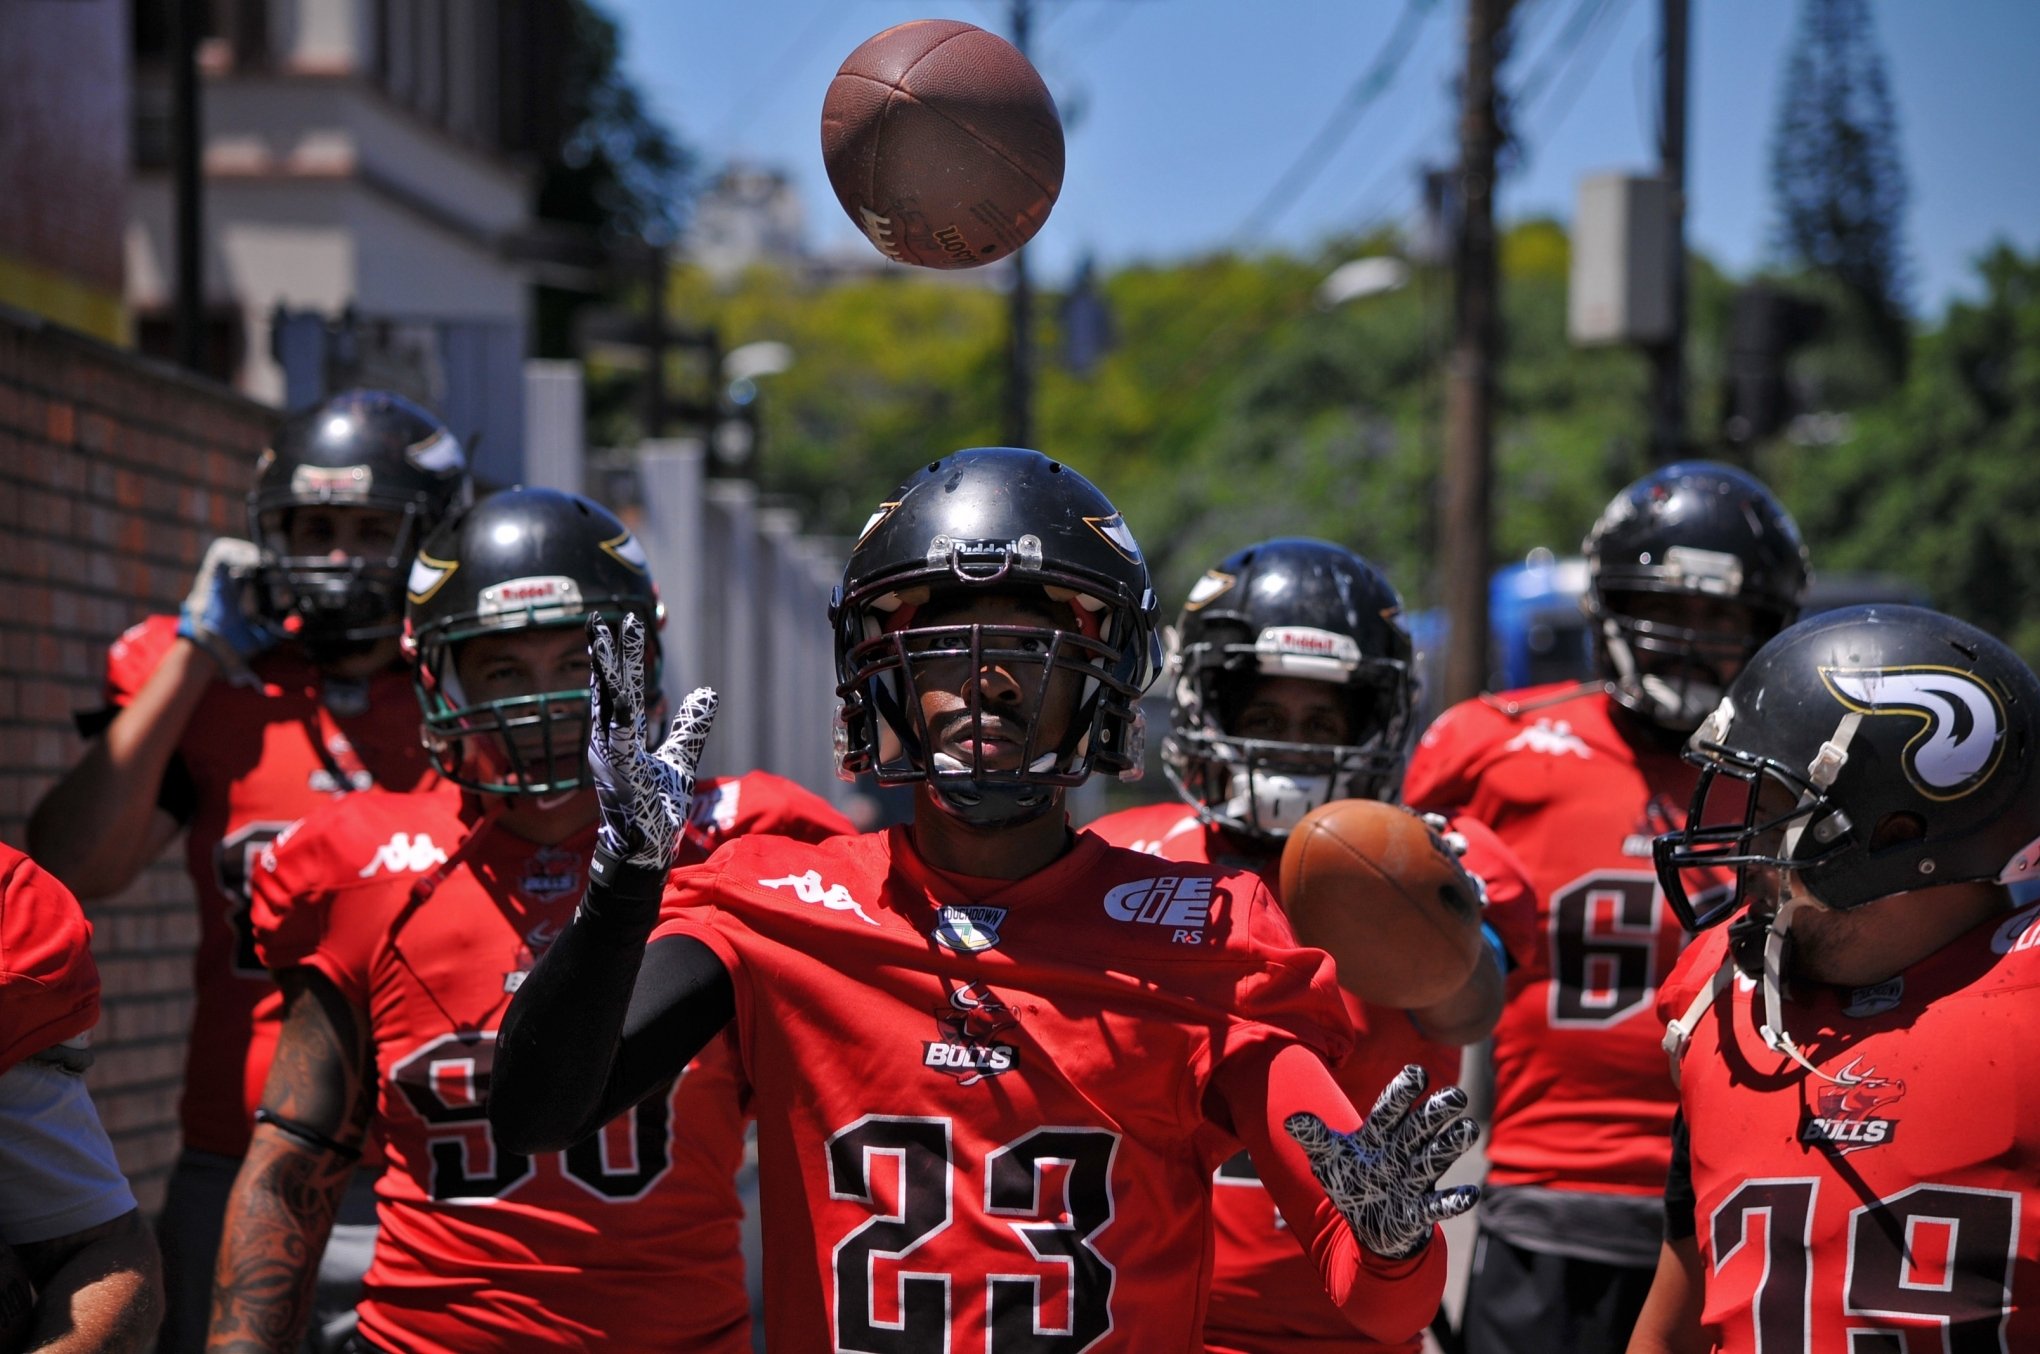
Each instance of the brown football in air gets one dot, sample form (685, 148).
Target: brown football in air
(942, 144)
(1374, 887)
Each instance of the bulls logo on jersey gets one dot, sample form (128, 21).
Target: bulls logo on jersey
(967, 1027)
(551, 873)
(1845, 1114)
(1962, 721)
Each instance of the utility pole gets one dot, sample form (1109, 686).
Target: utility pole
(657, 339)
(1465, 532)
(1668, 359)
(1019, 421)
(187, 152)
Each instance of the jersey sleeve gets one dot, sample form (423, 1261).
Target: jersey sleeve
(1511, 913)
(134, 657)
(1389, 1301)
(49, 986)
(308, 906)
(1286, 993)
(1439, 778)
(776, 805)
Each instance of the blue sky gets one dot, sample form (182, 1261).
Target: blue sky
(1182, 115)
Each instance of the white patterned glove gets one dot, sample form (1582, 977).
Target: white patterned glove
(1455, 842)
(218, 614)
(1381, 1177)
(644, 792)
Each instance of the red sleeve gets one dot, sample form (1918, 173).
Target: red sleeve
(1389, 1301)
(1511, 898)
(784, 809)
(307, 909)
(49, 986)
(134, 657)
(1287, 993)
(1438, 779)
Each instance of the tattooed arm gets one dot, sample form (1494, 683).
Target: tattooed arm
(308, 1136)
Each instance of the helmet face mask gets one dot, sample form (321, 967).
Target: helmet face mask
(1864, 752)
(994, 631)
(520, 562)
(363, 450)
(1296, 609)
(1691, 569)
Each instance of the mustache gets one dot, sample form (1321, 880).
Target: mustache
(962, 724)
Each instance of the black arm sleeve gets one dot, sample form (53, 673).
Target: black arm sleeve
(603, 1019)
(1679, 1199)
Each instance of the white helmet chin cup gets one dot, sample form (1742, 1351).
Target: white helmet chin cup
(1275, 801)
(1680, 705)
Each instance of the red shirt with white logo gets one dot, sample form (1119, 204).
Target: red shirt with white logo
(1581, 1099)
(1895, 1207)
(1265, 1294)
(985, 1107)
(49, 986)
(252, 761)
(427, 920)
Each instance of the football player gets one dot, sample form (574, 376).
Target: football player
(996, 1061)
(1291, 686)
(398, 926)
(65, 1208)
(1690, 569)
(1854, 1167)
(275, 689)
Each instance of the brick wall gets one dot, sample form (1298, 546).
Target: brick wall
(114, 473)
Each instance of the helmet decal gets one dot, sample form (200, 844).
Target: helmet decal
(1114, 530)
(627, 550)
(440, 453)
(1214, 584)
(883, 511)
(1962, 721)
(428, 575)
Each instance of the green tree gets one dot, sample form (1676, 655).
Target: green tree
(1837, 179)
(1937, 482)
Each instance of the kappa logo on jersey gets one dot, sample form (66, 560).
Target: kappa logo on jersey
(1180, 902)
(405, 854)
(1963, 723)
(966, 1046)
(1845, 1117)
(1553, 738)
(808, 888)
(967, 929)
(715, 810)
(551, 873)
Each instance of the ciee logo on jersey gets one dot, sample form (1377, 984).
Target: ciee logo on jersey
(1845, 1117)
(1180, 902)
(966, 1028)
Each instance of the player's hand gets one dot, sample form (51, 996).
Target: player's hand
(1455, 842)
(644, 792)
(1381, 1177)
(218, 614)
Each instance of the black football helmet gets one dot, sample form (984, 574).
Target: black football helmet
(360, 449)
(518, 559)
(985, 520)
(1871, 750)
(1692, 529)
(1289, 608)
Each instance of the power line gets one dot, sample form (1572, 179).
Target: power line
(773, 76)
(1372, 84)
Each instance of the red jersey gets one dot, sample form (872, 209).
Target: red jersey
(1581, 1099)
(983, 1110)
(49, 986)
(252, 761)
(1897, 1206)
(1265, 1293)
(427, 922)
